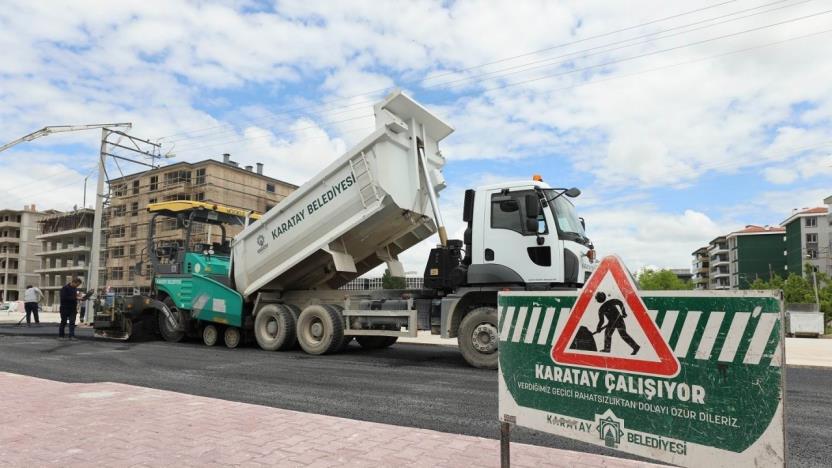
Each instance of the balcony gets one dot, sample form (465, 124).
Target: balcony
(66, 251)
(9, 224)
(720, 274)
(64, 269)
(68, 232)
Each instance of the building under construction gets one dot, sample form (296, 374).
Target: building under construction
(66, 240)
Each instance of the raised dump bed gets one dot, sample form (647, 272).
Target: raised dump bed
(365, 208)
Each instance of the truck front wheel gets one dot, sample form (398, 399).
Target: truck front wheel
(478, 337)
(274, 328)
(320, 329)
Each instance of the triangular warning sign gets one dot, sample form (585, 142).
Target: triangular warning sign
(609, 328)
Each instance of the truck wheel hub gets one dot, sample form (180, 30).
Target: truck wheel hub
(484, 338)
(271, 328)
(316, 330)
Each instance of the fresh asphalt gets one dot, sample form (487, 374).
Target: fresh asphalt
(422, 386)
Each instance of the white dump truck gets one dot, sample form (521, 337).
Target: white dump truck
(363, 210)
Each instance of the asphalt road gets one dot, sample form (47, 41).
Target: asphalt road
(407, 385)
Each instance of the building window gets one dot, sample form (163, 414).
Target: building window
(120, 190)
(169, 225)
(270, 188)
(811, 221)
(119, 210)
(135, 187)
(151, 201)
(117, 252)
(177, 177)
(132, 250)
(134, 209)
(154, 183)
(200, 176)
(116, 232)
(117, 273)
(200, 196)
(812, 238)
(134, 230)
(177, 196)
(131, 275)
(812, 253)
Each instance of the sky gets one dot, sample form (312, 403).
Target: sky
(679, 121)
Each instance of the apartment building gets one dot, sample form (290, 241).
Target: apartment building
(18, 250)
(808, 239)
(223, 182)
(66, 243)
(700, 268)
(755, 252)
(719, 273)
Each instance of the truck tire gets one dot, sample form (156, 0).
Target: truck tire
(210, 335)
(232, 337)
(320, 330)
(345, 343)
(376, 342)
(274, 328)
(478, 337)
(167, 332)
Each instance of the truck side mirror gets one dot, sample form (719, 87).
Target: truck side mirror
(532, 225)
(532, 207)
(583, 223)
(573, 192)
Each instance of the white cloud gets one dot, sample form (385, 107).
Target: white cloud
(644, 236)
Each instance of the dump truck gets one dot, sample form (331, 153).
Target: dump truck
(278, 281)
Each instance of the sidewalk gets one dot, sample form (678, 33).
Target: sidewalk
(48, 423)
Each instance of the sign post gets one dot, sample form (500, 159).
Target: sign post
(691, 378)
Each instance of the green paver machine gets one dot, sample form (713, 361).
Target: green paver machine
(191, 293)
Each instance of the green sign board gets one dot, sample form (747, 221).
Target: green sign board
(688, 378)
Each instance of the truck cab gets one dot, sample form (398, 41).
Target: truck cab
(526, 232)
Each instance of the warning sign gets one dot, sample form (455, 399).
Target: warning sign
(609, 328)
(691, 378)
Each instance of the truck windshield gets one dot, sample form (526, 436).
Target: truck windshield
(565, 216)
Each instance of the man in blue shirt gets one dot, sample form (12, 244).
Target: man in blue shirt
(69, 307)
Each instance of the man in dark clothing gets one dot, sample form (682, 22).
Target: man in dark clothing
(69, 307)
(613, 311)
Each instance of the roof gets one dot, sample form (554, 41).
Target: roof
(701, 250)
(820, 210)
(752, 229)
(204, 161)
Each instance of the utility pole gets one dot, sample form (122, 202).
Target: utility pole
(100, 195)
(95, 251)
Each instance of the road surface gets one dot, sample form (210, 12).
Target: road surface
(407, 385)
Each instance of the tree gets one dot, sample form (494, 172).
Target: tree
(392, 282)
(661, 280)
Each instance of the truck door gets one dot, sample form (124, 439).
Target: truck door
(509, 239)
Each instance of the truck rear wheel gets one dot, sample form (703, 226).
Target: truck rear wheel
(478, 337)
(210, 335)
(376, 342)
(274, 327)
(165, 329)
(345, 343)
(232, 337)
(320, 329)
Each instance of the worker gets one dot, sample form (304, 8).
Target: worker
(31, 297)
(69, 307)
(614, 313)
